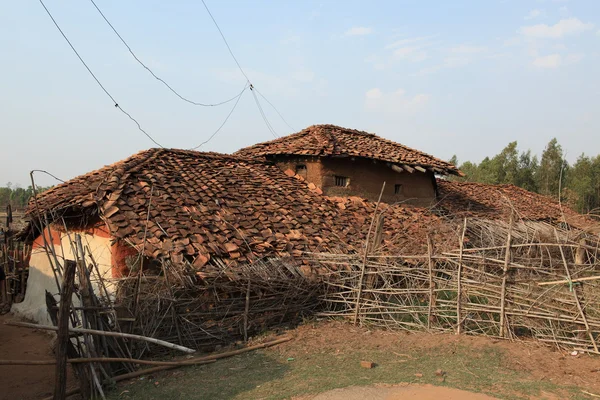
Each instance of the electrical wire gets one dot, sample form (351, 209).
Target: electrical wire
(275, 108)
(262, 113)
(252, 88)
(224, 122)
(47, 173)
(225, 40)
(95, 78)
(152, 72)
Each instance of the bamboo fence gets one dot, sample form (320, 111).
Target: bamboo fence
(514, 279)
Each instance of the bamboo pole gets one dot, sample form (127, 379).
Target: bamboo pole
(193, 361)
(504, 277)
(431, 288)
(562, 281)
(208, 359)
(459, 279)
(105, 333)
(60, 384)
(364, 261)
(585, 321)
(246, 310)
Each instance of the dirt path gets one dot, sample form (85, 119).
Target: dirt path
(24, 382)
(414, 392)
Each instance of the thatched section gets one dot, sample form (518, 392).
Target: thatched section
(198, 310)
(512, 280)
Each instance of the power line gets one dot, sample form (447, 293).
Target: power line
(252, 88)
(225, 40)
(95, 78)
(276, 110)
(152, 72)
(262, 113)
(224, 122)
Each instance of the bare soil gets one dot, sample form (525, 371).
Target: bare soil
(542, 362)
(401, 392)
(22, 381)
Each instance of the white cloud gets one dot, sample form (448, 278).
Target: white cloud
(574, 58)
(403, 42)
(396, 102)
(465, 49)
(412, 53)
(303, 75)
(533, 14)
(564, 27)
(358, 31)
(550, 61)
(291, 40)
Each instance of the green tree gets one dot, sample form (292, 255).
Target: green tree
(552, 170)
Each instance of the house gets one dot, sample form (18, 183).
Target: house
(348, 162)
(183, 206)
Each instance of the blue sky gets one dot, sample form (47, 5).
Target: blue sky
(446, 77)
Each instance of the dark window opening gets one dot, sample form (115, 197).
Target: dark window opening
(398, 188)
(342, 181)
(300, 168)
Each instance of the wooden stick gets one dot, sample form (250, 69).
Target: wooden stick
(60, 384)
(211, 358)
(588, 278)
(246, 309)
(504, 277)
(364, 261)
(192, 361)
(585, 321)
(430, 265)
(459, 278)
(105, 333)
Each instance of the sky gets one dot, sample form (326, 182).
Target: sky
(447, 77)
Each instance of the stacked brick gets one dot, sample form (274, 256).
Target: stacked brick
(331, 140)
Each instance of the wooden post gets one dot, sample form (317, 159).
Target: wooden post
(366, 254)
(504, 277)
(431, 287)
(246, 310)
(62, 342)
(459, 279)
(585, 321)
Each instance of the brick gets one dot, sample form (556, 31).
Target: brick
(367, 364)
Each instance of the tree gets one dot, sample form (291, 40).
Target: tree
(552, 170)
(526, 172)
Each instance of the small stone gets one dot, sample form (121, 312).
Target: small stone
(367, 364)
(439, 372)
(419, 375)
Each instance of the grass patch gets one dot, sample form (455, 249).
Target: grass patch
(274, 374)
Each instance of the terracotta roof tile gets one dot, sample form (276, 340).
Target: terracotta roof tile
(496, 201)
(203, 205)
(331, 140)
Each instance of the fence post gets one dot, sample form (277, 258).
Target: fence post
(431, 288)
(585, 321)
(504, 277)
(459, 278)
(62, 342)
(365, 256)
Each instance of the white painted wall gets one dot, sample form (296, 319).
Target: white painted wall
(41, 277)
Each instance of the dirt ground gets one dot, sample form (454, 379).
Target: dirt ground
(24, 382)
(404, 392)
(321, 363)
(543, 362)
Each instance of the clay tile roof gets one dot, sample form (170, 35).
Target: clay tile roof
(496, 201)
(331, 140)
(202, 205)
